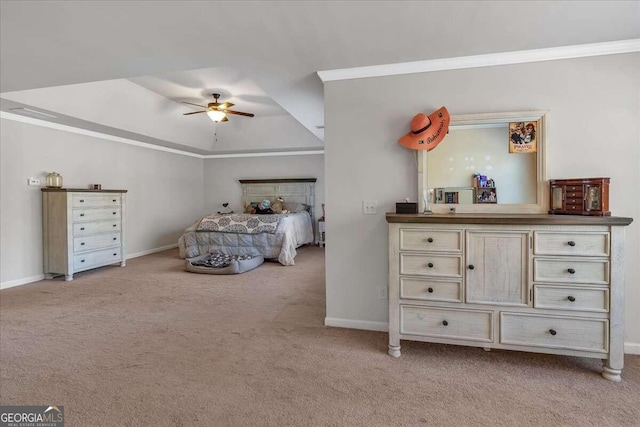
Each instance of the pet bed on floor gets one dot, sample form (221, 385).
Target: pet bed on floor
(217, 263)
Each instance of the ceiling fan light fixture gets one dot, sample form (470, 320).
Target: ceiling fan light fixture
(216, 116)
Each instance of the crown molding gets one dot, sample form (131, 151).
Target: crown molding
(80, 131)
(487, 60)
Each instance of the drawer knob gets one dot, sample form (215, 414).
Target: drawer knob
(571, 271)
(115, 238)
(430, 290)
(571, 243)
(115, 225)
(114, 200)
(115, 254)
(114, 213)
(471, 267)
(445, 323)
(81, 260)
(571, 298)
(430, 265)
(81, 228)
(430, 240)
(81, 214)
(552, 332)
(81, 200)
(82, 244)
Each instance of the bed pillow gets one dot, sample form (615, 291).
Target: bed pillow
(296, 207)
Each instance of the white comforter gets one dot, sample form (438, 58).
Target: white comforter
(293, 231)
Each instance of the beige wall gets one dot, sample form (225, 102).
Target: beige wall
(165, 190)
(592, 130)
(221, 177)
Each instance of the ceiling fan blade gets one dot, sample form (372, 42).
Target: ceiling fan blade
(194, 112)
(191, 103)
(239, 113)
(225, 119)
(226, 105)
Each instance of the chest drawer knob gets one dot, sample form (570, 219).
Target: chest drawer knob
(571, 271)
(445, 323)
(81, 214)
(571, 243)
(571, 298)
(114, 200)
(430, 240)
(115, 225)
(81, 260)
(115, 254)
(430, 290)
(552, 331)
(115, 238)
(82, 244)
(81, 200)
(471, 267)
(430, 265)
(81, 228)
(114, 213)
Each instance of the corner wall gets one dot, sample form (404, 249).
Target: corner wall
(164, 197)
(592, 130)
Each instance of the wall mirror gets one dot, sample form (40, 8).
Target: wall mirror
(488, 163)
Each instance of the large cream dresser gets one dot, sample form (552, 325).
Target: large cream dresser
(539, 283)
(82, 229)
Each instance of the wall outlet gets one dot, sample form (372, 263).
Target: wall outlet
(369, 207)
(33, 181)
(382, 292)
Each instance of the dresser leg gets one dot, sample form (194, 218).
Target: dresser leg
(123, 263)
(48, 276)
(68, 277)
(486, 348)
(394, 350)
(611, 374)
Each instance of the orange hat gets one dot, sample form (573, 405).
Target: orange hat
(427, 131)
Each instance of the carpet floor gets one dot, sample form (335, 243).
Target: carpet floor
(152, 345)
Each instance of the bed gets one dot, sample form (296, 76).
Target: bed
(291, 231)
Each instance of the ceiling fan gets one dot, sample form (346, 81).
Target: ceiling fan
(217, 111)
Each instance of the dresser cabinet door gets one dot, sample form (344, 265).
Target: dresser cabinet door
(496, 267)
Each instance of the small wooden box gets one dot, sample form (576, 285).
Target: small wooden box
(579, 196)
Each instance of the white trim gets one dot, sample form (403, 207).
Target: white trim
(80, 131)
(152, 251)
(265, 154)
(23, 281)
(356, 324)
(632, 348)
(487, 60)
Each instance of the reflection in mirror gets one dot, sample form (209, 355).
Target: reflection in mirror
(484, 151)
(474, 169)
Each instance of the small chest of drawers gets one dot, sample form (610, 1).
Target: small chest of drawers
(82, 230)
(538, 283)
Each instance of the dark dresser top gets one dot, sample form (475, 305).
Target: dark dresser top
(517, 219)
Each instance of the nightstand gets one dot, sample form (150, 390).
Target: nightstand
(321, 231)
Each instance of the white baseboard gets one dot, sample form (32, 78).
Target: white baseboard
(23, 281)
(356, 324)
(152, 251)
(629, 347)
(632, 348)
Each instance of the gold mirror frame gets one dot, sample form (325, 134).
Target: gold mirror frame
(470, 120)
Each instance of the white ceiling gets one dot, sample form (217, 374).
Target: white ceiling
(272, 50)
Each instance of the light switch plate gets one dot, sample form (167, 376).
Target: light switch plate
(33, 181)
(369, 207)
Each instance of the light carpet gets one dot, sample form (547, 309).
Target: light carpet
(150, 344)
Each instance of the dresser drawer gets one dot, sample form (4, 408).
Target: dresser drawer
(96, 259)
(96, 214)
(86, 228)
(98, 241)
(412, 239)
(473, 325)
(570, 333)
(571, 271)
(430, 265)
(577, 244)
(94, 200)
(571, 298)
(430, 289)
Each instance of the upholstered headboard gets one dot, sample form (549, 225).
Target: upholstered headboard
(293, 190)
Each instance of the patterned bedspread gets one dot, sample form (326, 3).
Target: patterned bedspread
(240, 223)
